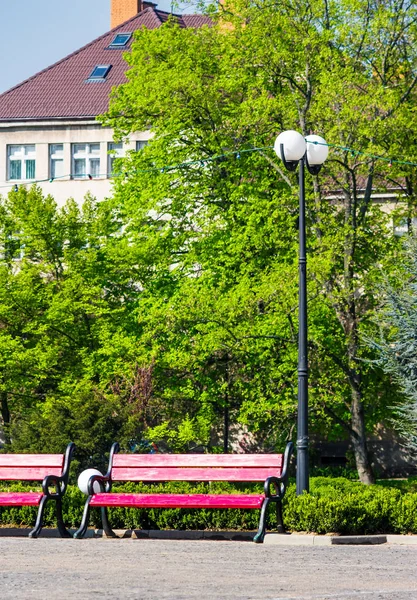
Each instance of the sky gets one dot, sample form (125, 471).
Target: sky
(36, 33)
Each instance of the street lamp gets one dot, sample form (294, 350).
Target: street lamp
(293, 149)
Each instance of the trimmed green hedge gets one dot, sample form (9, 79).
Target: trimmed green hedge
(348, 508)
(333, 506)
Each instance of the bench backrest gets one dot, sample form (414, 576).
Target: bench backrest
(196, 467)
(30, 467)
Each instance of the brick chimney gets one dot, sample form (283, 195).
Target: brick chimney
(122, 10)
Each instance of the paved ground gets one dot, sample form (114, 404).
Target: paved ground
(167, 569)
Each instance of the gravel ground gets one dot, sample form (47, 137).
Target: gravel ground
(160, 569)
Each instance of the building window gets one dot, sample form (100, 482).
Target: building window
(115, 151)
(21, 162)
(13, 248)
(99, 73)
(120, 40)
(85, 161)
(140, 145)
(56, 160)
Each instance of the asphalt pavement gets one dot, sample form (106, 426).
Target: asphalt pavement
(172, 569)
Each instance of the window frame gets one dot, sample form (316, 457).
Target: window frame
(141, 144)
(113, 43)
(53, 158)
(102, 77)
(23, 158)
(88, 156)
(116, 153)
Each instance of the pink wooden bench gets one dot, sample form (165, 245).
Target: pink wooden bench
(51, 469)
(272, 469)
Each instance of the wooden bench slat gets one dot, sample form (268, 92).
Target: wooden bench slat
(27, 474)
(198, 460)
(31, 460)
(191, 474)
(20, 498)
(178, 500)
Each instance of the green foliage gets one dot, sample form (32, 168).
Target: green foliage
(341, 506)
(189, 434)
(334, 471)
(91, 419)
(219, 238)
(396, 345)
(69, 365)
(404, 485)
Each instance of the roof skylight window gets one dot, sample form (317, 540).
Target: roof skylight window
(120, 40)
(99, 72)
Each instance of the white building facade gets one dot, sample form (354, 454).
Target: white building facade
(67, 160)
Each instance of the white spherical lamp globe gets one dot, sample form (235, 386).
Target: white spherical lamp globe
(84, 478)
(294, 145)
(317, 149)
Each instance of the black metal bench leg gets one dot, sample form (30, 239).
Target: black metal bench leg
(105, 521)
(259, 537)
(39, 519)
(63, 531)
(80, 533)
(280, 522)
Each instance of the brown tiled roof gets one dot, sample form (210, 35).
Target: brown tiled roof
(61, 91)
(195, 20)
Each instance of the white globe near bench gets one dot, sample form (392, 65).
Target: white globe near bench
(84, 478)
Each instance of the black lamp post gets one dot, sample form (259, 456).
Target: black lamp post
(310, 152)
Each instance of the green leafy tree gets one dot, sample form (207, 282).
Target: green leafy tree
(69, 290)
(219, 235)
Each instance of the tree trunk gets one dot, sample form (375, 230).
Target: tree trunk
(226, 426)
(357, 415)
(350, 322)
(5, 416)
(358, 439)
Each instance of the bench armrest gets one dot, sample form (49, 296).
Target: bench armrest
(59, 481)
(279, 486)
(67, 462)
(287, 457)
(104, 482)
(56, 481)
(279, 483)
